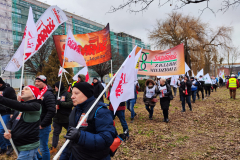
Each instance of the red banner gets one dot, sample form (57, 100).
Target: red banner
(95, 47)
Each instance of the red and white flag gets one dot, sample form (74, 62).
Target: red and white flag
(61, 70)
(174, 80)
(29, 37)
(83, 71)
(123, 85)
(45, 26)
(72, 51)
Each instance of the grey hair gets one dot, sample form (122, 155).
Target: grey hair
(163, 79)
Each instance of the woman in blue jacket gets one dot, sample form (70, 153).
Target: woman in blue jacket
(194, 88)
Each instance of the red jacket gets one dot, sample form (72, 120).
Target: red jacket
(232, 88)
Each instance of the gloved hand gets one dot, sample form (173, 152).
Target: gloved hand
(73, 134)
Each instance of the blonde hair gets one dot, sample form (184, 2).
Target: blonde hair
(163, 79)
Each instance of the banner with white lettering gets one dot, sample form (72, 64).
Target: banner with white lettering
(46, 25)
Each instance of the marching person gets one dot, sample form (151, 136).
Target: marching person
(149, 96)
(81, 78)
(48, 112)
(120, 113)
(23, 127)
(214, 83)
(165, 91)
(194, 88)
(61, 119)
(200, 87)
(220, 81)
(207, 86)
(132, 102)
(185, 89)
(97, 88)
(94, 138)
(232, 85)
(7, 92)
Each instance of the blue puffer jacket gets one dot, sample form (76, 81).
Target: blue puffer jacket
(194, 86)
(105, 131)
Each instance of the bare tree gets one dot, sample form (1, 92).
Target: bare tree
(105, 68)
(142, 5)
(232, 54)
(200, 41)
(36, 63)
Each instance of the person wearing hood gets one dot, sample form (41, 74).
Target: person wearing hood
(7, 92)
(97, 88)
(48, 112)
(23, 127)
(95, 136)
(165, 92)
(149, 96)
(81, 78)
(61, 119)
(186, 92)
(232, 85)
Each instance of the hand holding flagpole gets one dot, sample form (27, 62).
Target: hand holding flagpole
(6, 130)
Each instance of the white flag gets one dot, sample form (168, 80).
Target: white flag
(123, 86)
(193, 74)
(207, 79)
(72, 51)
(46, 25)
(200, 73)
(83, 71)
(186, 68)
(29, 37)
(174, 80)
(61, 70)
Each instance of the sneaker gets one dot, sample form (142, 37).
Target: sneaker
(164, 120)
(183, 111)
(150, 118)
(9, 150)
(135, 114)
(53, 150)
(190, 109)
(2, 151)
(132, 119)
(167, 121)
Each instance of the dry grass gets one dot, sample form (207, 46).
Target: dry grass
(210, 131)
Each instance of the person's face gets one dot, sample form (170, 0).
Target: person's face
(78, 97)
(56, 89)
(162, 82)
(150, 84)
(39, 84)
(79, 79)
(1, 85)
(185, 78)
(26, 94)
(95, 81)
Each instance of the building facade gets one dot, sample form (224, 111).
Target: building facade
(13, 16)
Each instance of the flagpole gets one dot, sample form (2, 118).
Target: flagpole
(59, 87)
(6, 130)
(25, 45)
(86, 115)
(65, 77)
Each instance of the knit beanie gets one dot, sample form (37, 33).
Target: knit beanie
(57, 85)
(42, 78)
(1, 81)
(35, 91)
(85, 88)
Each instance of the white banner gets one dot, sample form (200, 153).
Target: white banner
(46, 25)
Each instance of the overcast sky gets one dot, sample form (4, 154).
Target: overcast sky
(138, 24)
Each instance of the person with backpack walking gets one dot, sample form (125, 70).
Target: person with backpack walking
(200, 87)
(214, 84)
(232, 85)
(165, 94)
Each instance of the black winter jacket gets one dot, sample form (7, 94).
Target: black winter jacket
(182, 88)
(7, 92)
(97, 90)
(65, 107)
(164, 101)
(48, 107)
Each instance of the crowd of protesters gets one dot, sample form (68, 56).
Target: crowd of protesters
(32, 115)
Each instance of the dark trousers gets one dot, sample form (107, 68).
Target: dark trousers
(121, 116)
(175, 91)
(179, 94)
(188, 99)
(200, 89)
(165, 114)
(150, 110)
(214, 87)
(194, 95)
(56, 132)
(208, 90)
